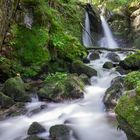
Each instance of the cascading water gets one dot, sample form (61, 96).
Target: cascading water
(87, 42)
(87, 116)
(108, 40)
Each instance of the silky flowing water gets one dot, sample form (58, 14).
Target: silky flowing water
(87, 41)
(87, 116)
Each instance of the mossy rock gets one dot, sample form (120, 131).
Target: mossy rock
(5, 101)
(36, 128)
(128, 111)
(14, 88)
(113, 93)
(58, 132)
(61, 86)
(132, 80)
(5, 69)
(131, 62)
(108, 65)
(34, 137)
(80, 68)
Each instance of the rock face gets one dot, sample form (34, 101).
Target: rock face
(60, 132)
(7, 10)
(36, 128)
(113, 93)
(14, 88)
(69, 87)
(80, 68)
(94, 17)
(5, 101)
(108, 65)
(113, 57)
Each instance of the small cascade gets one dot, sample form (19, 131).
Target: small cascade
(108, 40)
(87, 42)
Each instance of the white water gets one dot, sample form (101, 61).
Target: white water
(86, 116)
(87, 42)
(108, 40)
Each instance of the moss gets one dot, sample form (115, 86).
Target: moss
(30, 44)
(132, 61)
(5, 101)
(14, 88)
(132, 80)
(128, 108)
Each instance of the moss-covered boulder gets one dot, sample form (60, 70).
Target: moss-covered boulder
(128, 112)
(60, 86)
(15, 88)
(60, 132)
(36, 128)
(113, 93)
(34, 137)
(131, 62)
(5, 101)
(108, 65)
(132, 80)
(128, 108)
(80, 68)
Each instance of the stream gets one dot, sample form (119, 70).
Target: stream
(87, 116)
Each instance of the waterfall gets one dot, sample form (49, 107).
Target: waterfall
(87, 42)
(108, 40)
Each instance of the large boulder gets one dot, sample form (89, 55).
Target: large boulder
(14, 88)
(113, 57)
(108, 65)
(80, 68)
(60, 132)
(131, 62)
(59, 87)
(5, 101)
(34, 137)
(128, 114)
(36, 128)
(113, 93)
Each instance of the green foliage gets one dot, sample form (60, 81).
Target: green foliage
(58, 78)
(132, 80)
(67, 46)
(31, 45)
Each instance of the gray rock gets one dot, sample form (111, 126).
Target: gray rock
(94, 55)
(60, 132)
(36, 128)
(113, 57)
(114, 92)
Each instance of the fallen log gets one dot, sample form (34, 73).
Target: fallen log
(112, 49)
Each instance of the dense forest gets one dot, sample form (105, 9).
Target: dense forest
(69, 69)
